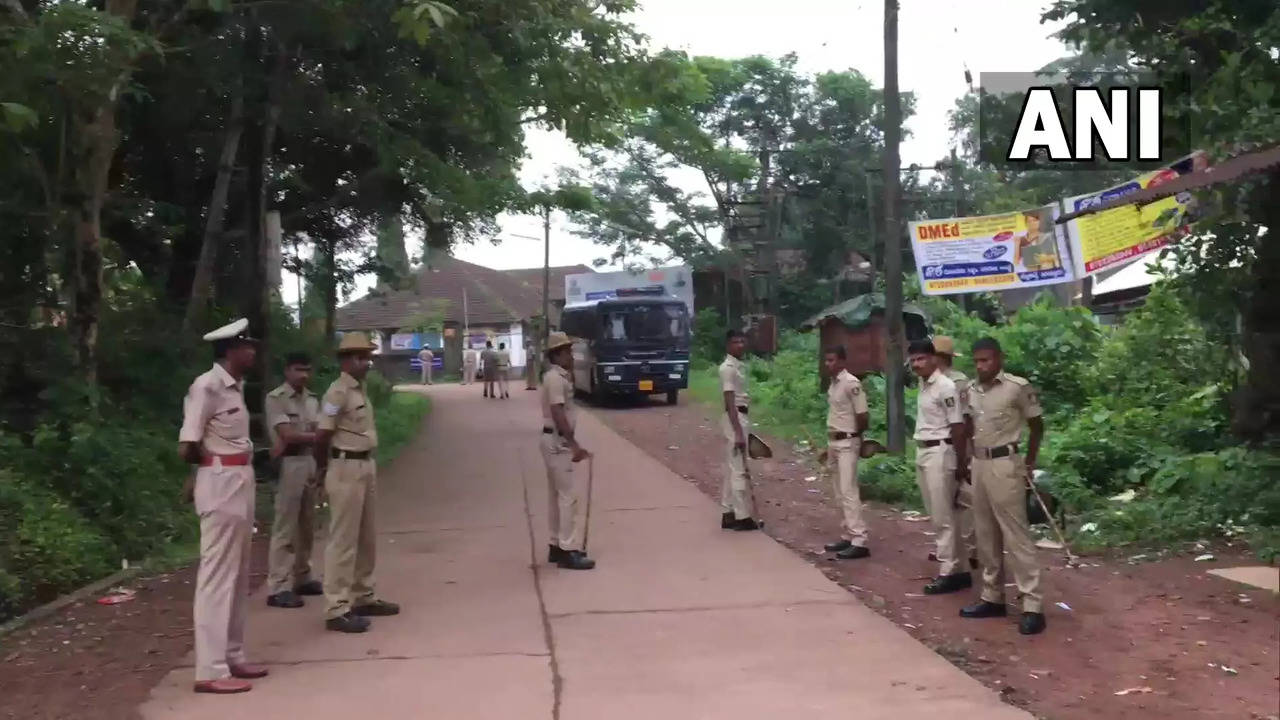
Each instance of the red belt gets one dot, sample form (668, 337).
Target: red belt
(227, 460)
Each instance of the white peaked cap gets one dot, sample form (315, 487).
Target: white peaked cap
(231, 330)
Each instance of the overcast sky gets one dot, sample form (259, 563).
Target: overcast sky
(937, 40)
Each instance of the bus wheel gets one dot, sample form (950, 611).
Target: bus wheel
(673, 397)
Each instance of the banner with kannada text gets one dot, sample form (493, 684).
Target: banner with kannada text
(991, 252)
(1114, 236)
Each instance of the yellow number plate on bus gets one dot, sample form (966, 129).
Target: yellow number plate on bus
(646, 385)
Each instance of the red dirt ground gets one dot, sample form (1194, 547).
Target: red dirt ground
(1166, 625)
(98, 661)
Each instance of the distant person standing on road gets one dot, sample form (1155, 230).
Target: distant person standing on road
(344, 450)
(945, 348)
(567, 499)
(1001, 403)
(291, 412)
(503, 357)
(530, 366)
(735, 493)
(847, 419)
(215, 438)
(469, 362)
(489, 369)
(426, 357)
(941, 449)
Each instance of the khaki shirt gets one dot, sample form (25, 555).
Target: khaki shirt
(1000, 410)
(503, 358)
(937, 408)
(557, 389)
(487, 359)
(214, 414)
(426, 355)
(962, 388)
(349, 414)
(733, 378)
(299, 408)
(845, 401)
(469, 357)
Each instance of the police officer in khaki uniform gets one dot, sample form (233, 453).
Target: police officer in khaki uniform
(215, 438)
(941, 452)
(487, 374)
(344, 450)
(291, 412)
(469, 361)
(945, 348)
(566, 498)
(735, 493)
(426, 357)
(1001, 403)
(502, 359)
(847, 419)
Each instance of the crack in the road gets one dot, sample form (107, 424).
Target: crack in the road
(557, 682)
(702, 608)
(379, 658)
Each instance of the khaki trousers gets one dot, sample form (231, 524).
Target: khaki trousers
(504, 378)
(426, 373)
(468, 374)
(566, 497)
(352, 552)
(294, 528)
(1000, 518)
(224, 498)
(735, 493)
(936, 476)
(843, 455)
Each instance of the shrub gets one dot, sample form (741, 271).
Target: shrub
(45, 546)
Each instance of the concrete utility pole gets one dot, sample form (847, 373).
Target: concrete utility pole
(546, 271)
(958, 208)
(892, 234)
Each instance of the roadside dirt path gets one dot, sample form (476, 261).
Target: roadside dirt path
(1165, 626)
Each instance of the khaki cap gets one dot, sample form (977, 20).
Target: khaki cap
(944, 345)
(355, 342)
(557, 340)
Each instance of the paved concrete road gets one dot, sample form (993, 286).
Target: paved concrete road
(680, 620)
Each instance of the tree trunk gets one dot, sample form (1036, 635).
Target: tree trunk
(202, 285)
(1256, 411)
(327, 283)
(894, 355)
(95, 141)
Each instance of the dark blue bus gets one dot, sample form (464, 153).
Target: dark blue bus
(629, 346)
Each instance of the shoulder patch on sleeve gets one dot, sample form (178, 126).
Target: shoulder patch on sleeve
(949, 401)
(331, 410)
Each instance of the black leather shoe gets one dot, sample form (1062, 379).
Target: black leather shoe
(838, 545)
(949, 584)
(349, 623)
(747, 524)
(377, 608)
(286, 599)
(727, 521)
(575, 560)
(973, 563)
(554, 553)
(984, 609)
(853, 552)
(310, 587)
(1032, 623)
(933, 557)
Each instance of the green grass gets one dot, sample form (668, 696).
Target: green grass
(398, 422)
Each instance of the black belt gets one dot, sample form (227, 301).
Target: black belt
(296, 451)
(995, 452)
(932, 443)
(742, 409)
(841, 435)
(337, 454)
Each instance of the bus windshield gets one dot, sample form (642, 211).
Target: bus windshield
(645, 323)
